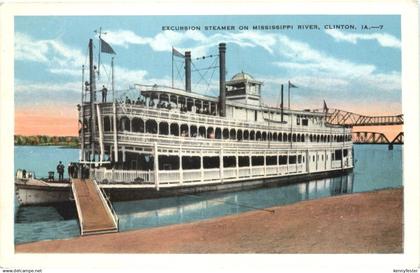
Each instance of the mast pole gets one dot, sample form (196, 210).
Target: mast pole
(112, 78)
(82, 117)
(99, 53)
(288, 94)
(92, 87)
(83, 83)
(281, 103)
(114, 123)
(114, 114)
(172, 67)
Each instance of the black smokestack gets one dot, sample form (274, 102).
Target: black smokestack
(188, 71)
(222, 79)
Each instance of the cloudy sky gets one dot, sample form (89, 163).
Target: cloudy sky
(356, 70)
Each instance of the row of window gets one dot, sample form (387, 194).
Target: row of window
(172, 162)
(201, 107)
(209, 162)
(164, 128)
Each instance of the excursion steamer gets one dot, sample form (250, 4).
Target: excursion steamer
(174, 141)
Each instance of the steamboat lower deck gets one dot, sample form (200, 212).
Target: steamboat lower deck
(126, 192)
(32, 191)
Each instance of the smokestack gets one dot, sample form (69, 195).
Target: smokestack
(188, 71)
(222, 79)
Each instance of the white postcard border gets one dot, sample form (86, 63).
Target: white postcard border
(227, 262)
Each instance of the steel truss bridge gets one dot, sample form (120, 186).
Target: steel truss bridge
(376, 138)
(349, 119)
(341, 117)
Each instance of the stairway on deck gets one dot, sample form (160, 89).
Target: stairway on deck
(95, 216)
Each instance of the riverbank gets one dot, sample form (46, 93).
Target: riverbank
(44, 140)
(59, 145)
(358, 223)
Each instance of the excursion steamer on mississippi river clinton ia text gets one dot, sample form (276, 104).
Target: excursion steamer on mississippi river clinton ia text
(174, 141)
(257, 27)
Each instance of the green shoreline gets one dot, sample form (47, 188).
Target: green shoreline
(60, 145)
(43, 140)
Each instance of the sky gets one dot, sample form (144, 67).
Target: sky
(357, 69)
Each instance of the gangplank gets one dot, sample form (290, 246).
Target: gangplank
(94, 211)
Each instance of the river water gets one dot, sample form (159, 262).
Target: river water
(376, 167)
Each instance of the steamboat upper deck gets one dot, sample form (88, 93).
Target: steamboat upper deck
(168, 136)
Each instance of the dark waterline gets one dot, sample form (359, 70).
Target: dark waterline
(375, 168)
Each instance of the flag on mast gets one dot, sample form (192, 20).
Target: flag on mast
(176, 53)
(291, 85)
(325, 107)
(106, 48)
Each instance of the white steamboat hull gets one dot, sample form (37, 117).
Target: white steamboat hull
(43, 193)
(35, 192)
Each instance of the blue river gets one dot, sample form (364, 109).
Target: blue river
(376, 168)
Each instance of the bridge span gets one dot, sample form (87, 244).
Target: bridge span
(349, 119)
(341, 117)
(376, 138)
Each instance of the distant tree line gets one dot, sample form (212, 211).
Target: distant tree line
(72, 141)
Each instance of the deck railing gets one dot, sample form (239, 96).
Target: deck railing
(170, 178)
(174, 114)
(244, 172)
(129, 138)
(211, 174)
(229, 173)
(114, 214)
(191, 175)
(271, 170)
(118, 176)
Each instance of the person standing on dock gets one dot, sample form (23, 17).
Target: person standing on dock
(104, 92)
(69, 170)
(60, 170)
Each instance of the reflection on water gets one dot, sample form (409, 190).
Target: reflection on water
(35, 223)
(46, 230)
(375, 168)
(188, 208)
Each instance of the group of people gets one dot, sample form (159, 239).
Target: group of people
(142, 101)
(198, 110)
(74, 170)
(139, 101)
(164, 105)
(161, 104)
(167, 105)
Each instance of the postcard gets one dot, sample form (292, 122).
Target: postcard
(258, 130)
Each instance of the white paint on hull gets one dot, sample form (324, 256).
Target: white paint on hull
(39, 192)
(33, 192)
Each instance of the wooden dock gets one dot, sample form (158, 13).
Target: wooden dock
(94, 212)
